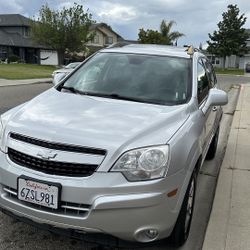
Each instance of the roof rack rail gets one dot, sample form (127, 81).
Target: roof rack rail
(191, 49)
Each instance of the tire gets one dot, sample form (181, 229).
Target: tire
(181, 230)
(213, 146)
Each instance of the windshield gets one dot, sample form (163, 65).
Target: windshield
(144, 78)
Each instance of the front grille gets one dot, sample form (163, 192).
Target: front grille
(68, 208)
(51, 167)
(58, 146)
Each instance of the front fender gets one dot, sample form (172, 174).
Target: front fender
(186, 151)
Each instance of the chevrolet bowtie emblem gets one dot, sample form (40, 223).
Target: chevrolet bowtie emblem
(46, 154)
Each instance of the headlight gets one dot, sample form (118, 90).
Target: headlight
(143, 163)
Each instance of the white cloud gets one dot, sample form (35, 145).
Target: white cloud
(11, 6)
(117, 13)
(194, 18)
(65, 4)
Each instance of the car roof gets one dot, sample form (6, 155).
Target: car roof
(149, 49)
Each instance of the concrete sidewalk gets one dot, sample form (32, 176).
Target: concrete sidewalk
(229, 225)
(4, 82)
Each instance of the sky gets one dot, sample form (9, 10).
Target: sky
(194, 18)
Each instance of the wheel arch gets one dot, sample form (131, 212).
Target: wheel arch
(195, 167)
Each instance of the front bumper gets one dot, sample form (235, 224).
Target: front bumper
(117, 207)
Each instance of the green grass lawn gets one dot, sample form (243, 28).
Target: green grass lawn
(25, 71)
(229, 71)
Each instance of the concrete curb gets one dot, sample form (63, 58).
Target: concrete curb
(229, 223)
(245, 75)
(7, 83)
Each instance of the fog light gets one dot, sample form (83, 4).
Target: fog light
(151, 233)
(146, 235)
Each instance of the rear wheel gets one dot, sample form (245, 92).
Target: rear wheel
(213, 146)
(183, 223)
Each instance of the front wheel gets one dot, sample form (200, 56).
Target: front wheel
(182, 227)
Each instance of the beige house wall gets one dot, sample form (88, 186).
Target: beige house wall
(109, 33)
(101, 39)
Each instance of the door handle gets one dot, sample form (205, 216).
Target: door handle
(214, 108)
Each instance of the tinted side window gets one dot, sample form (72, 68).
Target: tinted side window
(203, 82)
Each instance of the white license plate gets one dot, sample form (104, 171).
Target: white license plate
(42, 194)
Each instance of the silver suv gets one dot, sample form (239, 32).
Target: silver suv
(116, 146)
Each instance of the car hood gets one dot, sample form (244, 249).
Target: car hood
(114, 125)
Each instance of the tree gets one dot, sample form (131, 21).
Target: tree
(164, 36)
(150, 37)
(231, 37)
(169, 37)
(66, 30)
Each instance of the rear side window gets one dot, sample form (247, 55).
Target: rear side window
(202, 81)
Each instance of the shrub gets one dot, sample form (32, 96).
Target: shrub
(13, 58)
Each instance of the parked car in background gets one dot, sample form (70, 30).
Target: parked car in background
(59, 74)
(248, 67)
(116, 147)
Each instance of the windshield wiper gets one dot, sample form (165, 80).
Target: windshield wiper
(114, 96)
(133, 99)
(71, 89)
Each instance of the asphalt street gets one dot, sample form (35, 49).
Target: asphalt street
(14, 95)
(17, 235)
(226, 81)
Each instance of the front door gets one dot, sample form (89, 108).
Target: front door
(204, 85)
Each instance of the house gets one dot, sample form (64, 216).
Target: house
(15, 41)
(104, 36)
(246, 58)
(232, 61)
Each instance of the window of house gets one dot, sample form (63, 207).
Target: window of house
(26, 31)
(202, 81)
(3, 49)
(96, 39)
(109, 40)
(217, 61)
(3, 53)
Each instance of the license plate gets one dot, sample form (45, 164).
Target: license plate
(40, 193)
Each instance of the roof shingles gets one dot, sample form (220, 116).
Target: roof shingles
(16, 39)
(17, 20)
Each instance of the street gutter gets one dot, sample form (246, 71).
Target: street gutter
(6, 83)
(245, 75)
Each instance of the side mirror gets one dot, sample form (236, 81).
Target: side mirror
(216, 97)
(58, 77)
